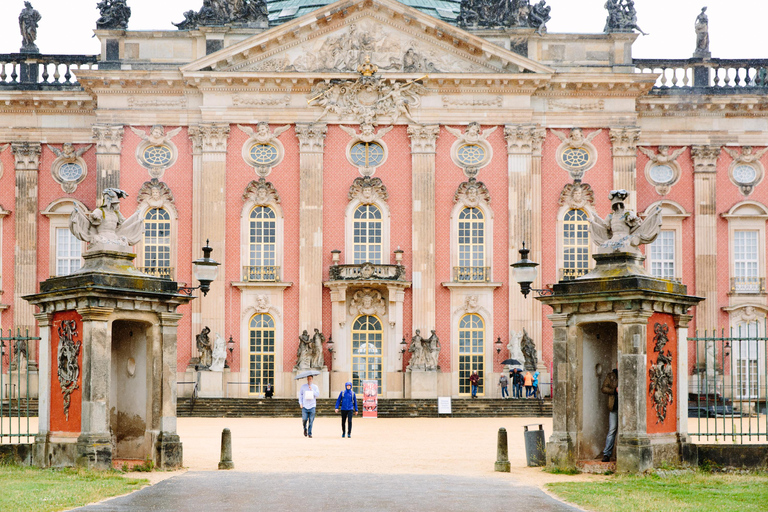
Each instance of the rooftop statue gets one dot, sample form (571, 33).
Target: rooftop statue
(503, 13)
(225, 12)
(622, 17)
(113, 14)
(28, 20)
(702, 34)
(622, 230)
(105, 227)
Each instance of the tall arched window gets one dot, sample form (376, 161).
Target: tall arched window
(367, 234)
(262, 244)
(261, 352)
(575, 244)
(157, 243)
(367, 337)
(747, 353)
(471, 352)
(471, 246)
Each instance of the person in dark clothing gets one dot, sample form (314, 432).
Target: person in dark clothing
(517, 383)
(347, 402)
(474, 381)
(269, 391)
(611, 388)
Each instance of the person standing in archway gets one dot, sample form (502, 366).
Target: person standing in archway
(611, 388)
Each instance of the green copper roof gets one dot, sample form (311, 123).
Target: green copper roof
(281, 11)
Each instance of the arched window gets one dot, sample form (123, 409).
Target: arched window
(68, 252)
(575, 244)
(157, 243)
(261, 352)
(747, 353)
(367, 234)
(262, 244)
(471, 352)
(471, 246)
(367, 337)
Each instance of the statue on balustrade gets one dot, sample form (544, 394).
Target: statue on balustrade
(702, 34)
(622, 17)
(225, 12)
(28, 20)
(114, 15)
(105, 227)
(503, 14)
(622, 230)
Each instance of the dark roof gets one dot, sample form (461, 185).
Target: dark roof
(281, 11)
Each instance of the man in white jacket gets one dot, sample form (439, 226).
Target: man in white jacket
(308, 401)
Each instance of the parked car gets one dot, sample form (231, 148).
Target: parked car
(710, 405)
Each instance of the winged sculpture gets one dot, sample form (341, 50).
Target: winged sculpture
(105, 227)
(472, 134)
(367, 133)
(156, 135)
(68, 151)
(622, 230)
(262, 134)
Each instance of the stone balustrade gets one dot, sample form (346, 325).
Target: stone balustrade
(261, 273)
(710, 76)
(25, 71)
(472, 274)
(367, 271)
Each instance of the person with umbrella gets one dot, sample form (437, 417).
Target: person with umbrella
(308, 401)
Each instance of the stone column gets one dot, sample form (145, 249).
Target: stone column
(44, 361)
(27, 161)
(561, 447)
(198, 239)
(168, 443)
(210, 204)
(311, 146)
(423, 142)
(624, 149)
(524, 192)
(109, 144)
(681, 376)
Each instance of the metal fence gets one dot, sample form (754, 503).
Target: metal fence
(18, 387)
(727, 390)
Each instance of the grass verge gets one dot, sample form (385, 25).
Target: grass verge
(692, 491)
(34, 489)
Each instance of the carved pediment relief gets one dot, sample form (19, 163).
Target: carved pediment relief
(156, 194)
(261, 192)
(367, 302)
(472, 193)
(368, 190)
(577, 195)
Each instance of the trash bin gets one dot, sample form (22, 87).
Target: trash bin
(535, 445)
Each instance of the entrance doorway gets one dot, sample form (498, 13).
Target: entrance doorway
(599, 356)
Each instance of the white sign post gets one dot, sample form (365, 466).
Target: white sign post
(443, 405)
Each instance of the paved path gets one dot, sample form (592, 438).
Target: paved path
(275, 492)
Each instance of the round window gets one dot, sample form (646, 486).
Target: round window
(264, 154)
(744, 174)
(71, 171)
(576, 158)
(662, 174)
(471, 155)
(367, 154)
(157, 156)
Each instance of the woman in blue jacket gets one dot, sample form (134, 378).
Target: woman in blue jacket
(347, 402)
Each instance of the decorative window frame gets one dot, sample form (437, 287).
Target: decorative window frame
(245, 322)
(269, 197)
(162, 139)
(378, 199)
(263, 135)
(366, 171)
(748, 312)
(663, 188)
(672, 216)
(68, 186)
(164, 200)
(747, 216)
(58, 212)
(482, 200)
(571, 141)
(488, 351)
(568, 202)
(747, 188)
(457, 144)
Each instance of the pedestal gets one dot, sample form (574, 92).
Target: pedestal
(210, 384)
(94, 451)
(169, 451)
(423, 383)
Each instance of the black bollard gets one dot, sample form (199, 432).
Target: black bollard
(226, 450)
(502, 453)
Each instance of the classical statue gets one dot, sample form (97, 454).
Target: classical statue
(304, 352)
(218, 355)
(114, 14)
(28, 20)
(156, 135)
(528, 348)
(498, 13)
(225, 12)
(622, 16)
(702, 34)
(318, 361)
(418, 359)
(203, 343)
(539, 16)
(106, 226)
(622, 230)
(433, 353)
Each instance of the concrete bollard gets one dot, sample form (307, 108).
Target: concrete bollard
(226, 450)
(502, 453)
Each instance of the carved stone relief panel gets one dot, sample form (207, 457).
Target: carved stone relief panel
(367, 302)
(472, 193)
(577, 196)
(368, 190)
(662, 170)
(155, 194)
(69, 169)
(262, 193)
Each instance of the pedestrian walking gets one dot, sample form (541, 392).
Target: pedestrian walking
(517, 383)
(308, 401)
(474, 381)
(536, 393)
(528, 384)
(504, 383)
(347, 403)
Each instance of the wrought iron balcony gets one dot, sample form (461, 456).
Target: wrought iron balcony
(268, 273)
(161, 272)
(710, 76)
(569, 274)
(471, 274)
(367, 271)
(34, 71)
(747, 285)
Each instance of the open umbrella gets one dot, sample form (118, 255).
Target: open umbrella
(512, 361)
(306, 373)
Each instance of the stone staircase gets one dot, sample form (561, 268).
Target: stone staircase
(12, 408)
(388, 408)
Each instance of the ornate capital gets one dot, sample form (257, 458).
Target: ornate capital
(108, 138)
(311, 137)
(423, 138)
(209, 138)
(27, 155)
(624, 141)
(524, 139)
(705, 158)
(196, 136)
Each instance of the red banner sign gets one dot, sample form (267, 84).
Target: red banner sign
(370, 399)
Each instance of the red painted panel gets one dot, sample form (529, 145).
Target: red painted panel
(661, 326)
(59, 421)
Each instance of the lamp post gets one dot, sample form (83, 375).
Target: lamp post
(498, 345)
(204, 270)
(403, 348)
(524, 272)
(330, 346)
(231, 348)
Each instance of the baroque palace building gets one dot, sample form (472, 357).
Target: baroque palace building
(368, 168)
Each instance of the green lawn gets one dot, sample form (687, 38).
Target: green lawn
(695, 491)
(32, 489)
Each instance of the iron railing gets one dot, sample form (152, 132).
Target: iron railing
(25, 71)
(162, 272)
(728, 389)
(261, 273)
(367, 271)
(16, 404)
(707, 76)
(569, 274)
(747, 285)
(472, 274)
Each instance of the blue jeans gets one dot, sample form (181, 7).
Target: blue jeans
(474, 390)
(613, 426)
(504, 392)
(518, 391)
(308, 416)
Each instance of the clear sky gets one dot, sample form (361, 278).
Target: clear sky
(736, 27)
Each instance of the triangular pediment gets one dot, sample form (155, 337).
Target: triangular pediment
(337, 38)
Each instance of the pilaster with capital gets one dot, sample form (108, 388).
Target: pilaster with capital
(624, 149)
(109, 144)
(423, 147)
(311, 147)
